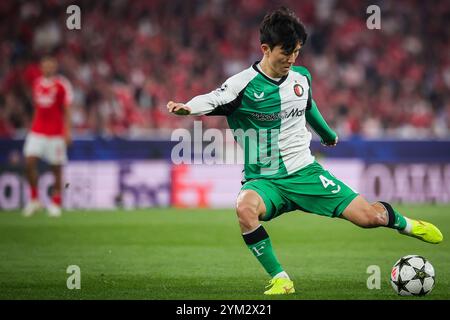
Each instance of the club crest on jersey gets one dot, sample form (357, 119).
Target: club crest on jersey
(298, 89)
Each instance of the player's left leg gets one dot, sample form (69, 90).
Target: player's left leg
(378, 214)
(316, 190)
(57, 156)
(54, 209)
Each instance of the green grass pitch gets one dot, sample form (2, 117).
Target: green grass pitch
(200, 254)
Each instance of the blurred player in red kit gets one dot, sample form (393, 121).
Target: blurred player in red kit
(49, 135)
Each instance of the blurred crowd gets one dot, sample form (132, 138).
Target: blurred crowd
(131, 57)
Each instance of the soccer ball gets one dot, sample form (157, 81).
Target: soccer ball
(412, 275)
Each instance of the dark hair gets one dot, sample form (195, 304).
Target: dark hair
(282, 27)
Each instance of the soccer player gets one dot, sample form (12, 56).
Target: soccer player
(275, 96)
(50, 134)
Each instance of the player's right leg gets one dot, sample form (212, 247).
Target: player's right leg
(31, 174)
(250, 208)
(33, 149)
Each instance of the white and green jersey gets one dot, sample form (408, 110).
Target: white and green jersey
(275, 110)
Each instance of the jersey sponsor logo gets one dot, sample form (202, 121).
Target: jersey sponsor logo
(295, 112)
(298, 89)
(46, 97)
(259, 96)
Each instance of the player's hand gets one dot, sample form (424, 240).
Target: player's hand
(178, 108)
(330, 143)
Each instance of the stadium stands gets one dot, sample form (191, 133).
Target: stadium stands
(131, 57)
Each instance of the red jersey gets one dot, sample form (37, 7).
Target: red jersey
(50, 97)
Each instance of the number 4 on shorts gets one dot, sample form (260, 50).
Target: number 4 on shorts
(327, 182)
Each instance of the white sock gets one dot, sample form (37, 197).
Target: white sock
(282, 274)
(408, 227)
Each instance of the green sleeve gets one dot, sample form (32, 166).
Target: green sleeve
(313, 116)
(319, 125)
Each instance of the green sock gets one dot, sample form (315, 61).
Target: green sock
(259, 243)
(396, 219)
(400, 221)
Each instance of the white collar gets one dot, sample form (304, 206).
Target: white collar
(260, 69)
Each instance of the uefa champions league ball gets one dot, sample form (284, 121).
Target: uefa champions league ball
(412, 275)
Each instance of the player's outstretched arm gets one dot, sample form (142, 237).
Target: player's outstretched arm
(197, 106)
(319, 125)
(220, 102)
(178, 108)
(68, 130)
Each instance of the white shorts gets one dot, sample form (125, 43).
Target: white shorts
(51, 149)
